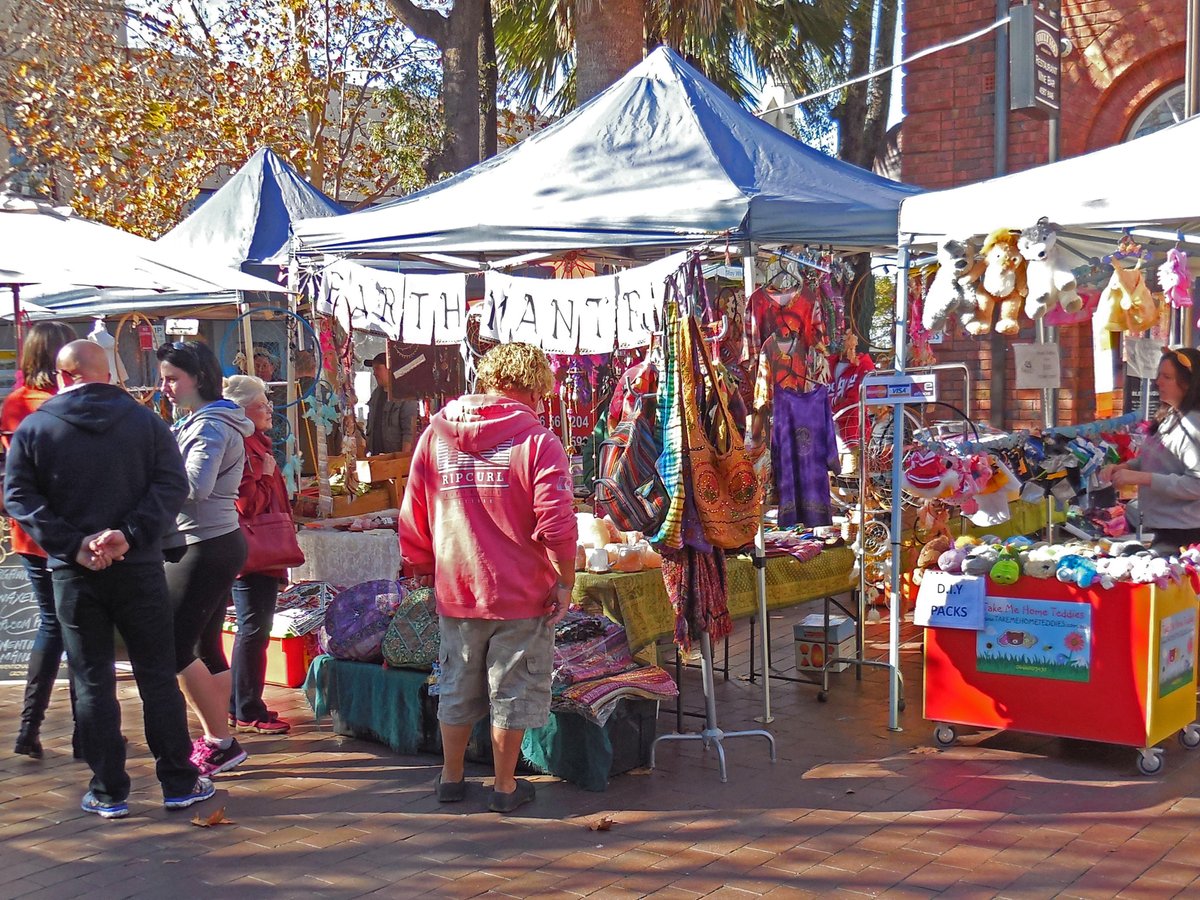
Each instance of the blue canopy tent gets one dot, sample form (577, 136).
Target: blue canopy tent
(662, 158)
(248, 222)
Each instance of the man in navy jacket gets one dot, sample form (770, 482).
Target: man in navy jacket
(96, 479)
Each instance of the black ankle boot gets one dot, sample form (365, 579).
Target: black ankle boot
(28, 744)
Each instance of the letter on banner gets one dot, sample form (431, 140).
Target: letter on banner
(421, 303)
(495, 297)
(597, 313)
(450, 325)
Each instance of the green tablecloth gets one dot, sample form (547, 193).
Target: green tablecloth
(392, 706)
(639, 599)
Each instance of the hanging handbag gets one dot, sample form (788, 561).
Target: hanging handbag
(725, 489)
(629, 489)
(271, 543)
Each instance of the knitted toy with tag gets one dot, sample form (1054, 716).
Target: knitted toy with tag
(1003, 282)
(1007, 568)
(1175, 280)
(946, 294)
(1041, 561)
(952, 560)
(1076, 570)
(1049, 281)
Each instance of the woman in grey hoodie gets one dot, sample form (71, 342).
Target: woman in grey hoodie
(207, 551)
(1167, 469)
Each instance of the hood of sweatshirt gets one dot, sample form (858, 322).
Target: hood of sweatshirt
(477, 422)
(92, 407)
(225, 411)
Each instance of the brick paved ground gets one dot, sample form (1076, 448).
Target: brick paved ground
(850, 808)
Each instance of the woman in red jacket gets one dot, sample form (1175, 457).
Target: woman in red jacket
(254, 593)
(39, 371)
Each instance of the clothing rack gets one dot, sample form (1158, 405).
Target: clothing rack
(712, 735)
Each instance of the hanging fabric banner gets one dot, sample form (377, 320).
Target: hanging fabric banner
(577, 315)
(414, 309)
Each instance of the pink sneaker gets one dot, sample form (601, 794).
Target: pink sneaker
(212, 759)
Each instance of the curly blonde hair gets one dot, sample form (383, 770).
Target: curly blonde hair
(522, 368)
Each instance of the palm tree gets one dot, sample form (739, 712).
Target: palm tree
(558, 53)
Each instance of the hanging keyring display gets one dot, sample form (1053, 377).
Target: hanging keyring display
(224, 348)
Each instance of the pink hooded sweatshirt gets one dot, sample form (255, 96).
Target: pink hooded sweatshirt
(488, 502)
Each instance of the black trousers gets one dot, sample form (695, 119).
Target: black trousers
(132, 597)
(47, 648)
(1167, 541)
(198, 584)
(254, 595)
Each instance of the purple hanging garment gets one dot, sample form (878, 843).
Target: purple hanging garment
(803, 453)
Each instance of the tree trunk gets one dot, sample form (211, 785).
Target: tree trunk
(488, 82)
(458, 37)
(609, 41)
(862, 115)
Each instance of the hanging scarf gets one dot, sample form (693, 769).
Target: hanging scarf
(697, 588)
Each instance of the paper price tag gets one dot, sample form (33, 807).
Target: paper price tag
(1038, 365)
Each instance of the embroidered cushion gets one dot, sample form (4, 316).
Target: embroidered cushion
(413, 640)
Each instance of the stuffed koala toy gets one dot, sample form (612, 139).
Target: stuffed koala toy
(958, 265)
(1003, 282)
(980, 560)
(1048, 281)
(1175, 279)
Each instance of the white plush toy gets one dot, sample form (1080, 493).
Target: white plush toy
(1048, 280)
(958, 265)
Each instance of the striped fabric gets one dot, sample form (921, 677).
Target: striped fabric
(670, 422)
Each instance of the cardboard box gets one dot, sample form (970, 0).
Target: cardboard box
(813, 628)
(383, 467)
(811, 655)
(287, 658)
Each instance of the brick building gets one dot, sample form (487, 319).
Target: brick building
(1122, 76)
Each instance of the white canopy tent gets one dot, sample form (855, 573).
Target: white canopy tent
(1148, 185)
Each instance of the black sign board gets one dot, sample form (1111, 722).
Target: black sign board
(1134, 388)
(1034, 56)
(18, 620)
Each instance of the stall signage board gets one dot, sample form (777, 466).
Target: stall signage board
(183, 326)
(1035, 639)
(950, 601)
(1176, 652)
(886, 390)
(18, 622)
(1038, 366)
(1035, 65)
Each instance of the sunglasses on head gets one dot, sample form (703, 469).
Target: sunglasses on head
(1180, 357)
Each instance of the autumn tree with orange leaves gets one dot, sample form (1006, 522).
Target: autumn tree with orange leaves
(126, 112)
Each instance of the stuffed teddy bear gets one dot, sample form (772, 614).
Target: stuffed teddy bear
(1126, 303)
(957, 261)
(932, 551)
(1049, 281)
(1175, 279)
(1003, 282)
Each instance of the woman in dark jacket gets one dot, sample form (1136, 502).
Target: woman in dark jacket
(38, 362)
(254, 593)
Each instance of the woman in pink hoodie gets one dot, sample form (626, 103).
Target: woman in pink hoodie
(489, 512)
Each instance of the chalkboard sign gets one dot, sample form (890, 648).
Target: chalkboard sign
(18, 622)
(1133, 395)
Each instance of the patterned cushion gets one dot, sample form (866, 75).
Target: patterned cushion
(413, 640)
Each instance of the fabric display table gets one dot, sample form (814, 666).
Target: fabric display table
(1116, 665)
(638, 600)
(393, 707)
(345, 558)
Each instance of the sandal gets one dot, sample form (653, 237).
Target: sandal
(450, 791)
(506, 803)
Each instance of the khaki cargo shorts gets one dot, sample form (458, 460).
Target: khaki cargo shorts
(501, 665)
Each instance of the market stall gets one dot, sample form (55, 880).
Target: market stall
(660, 161)
(1106, 630)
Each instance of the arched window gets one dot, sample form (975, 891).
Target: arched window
(1165, 109)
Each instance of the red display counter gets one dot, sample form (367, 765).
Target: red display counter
(1117, 666)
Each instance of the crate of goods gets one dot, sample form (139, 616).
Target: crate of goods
(287, 657)
(383, 467)
(815, 643)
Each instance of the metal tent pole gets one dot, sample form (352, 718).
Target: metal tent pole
(901, 343)
(760, 547)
